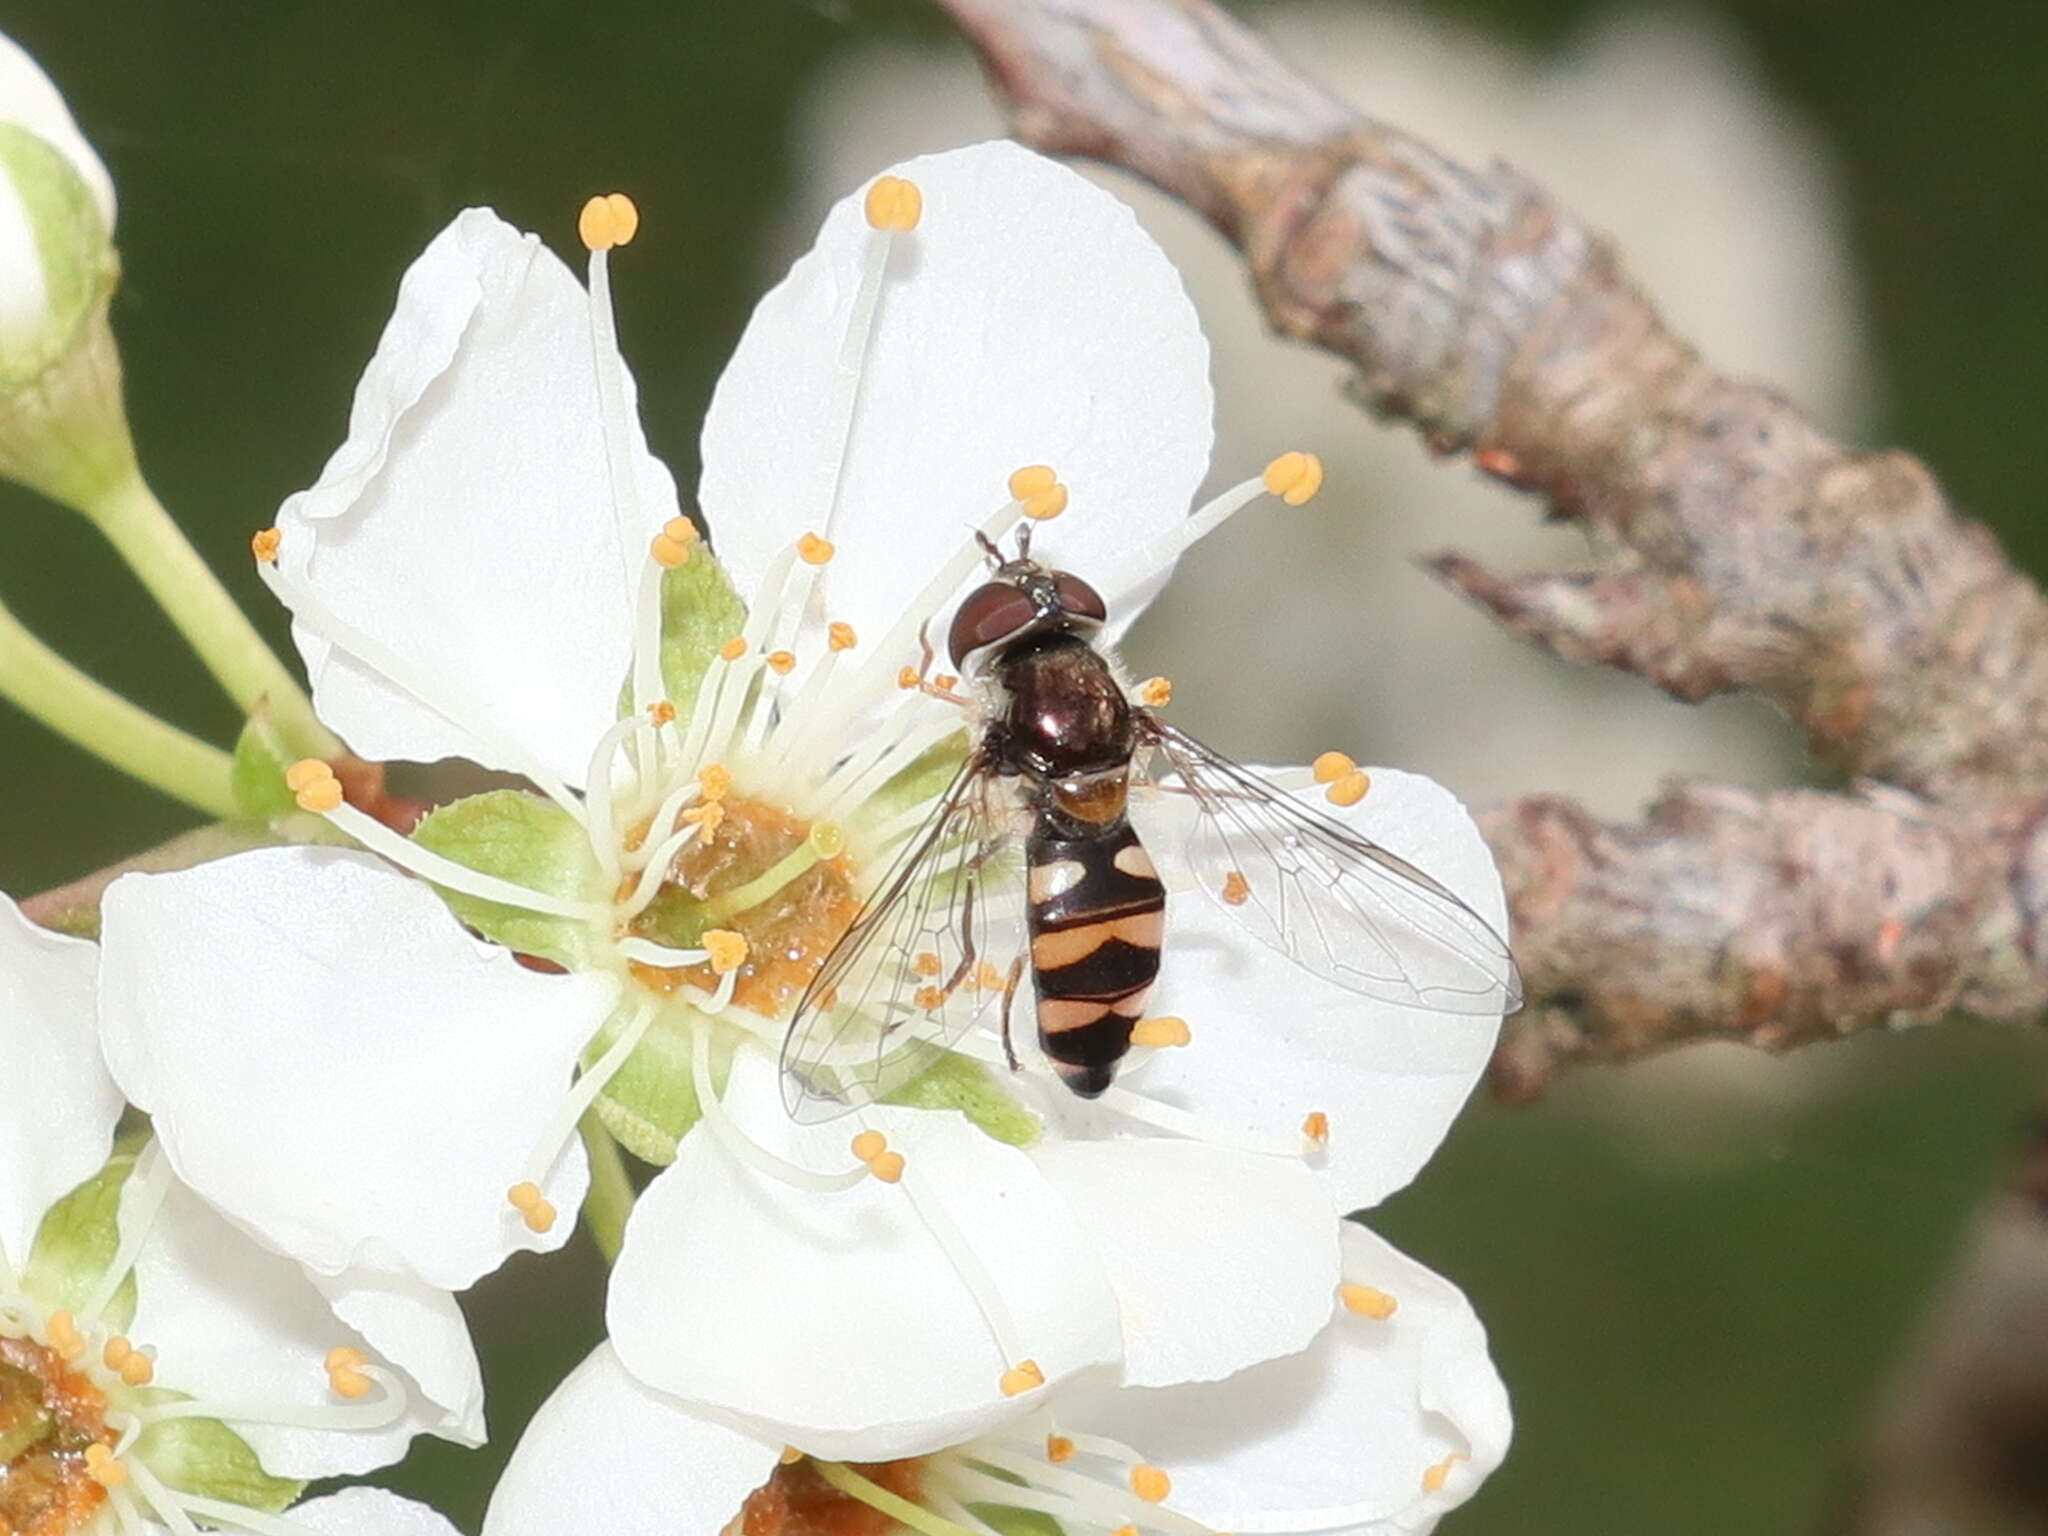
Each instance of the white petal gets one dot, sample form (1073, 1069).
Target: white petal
(839, 1322)
(1273, 1042)
(370, 1512)
(1027, 320)
(336, 1064)
(420, 1329)
(1219, 1258)
(1342, 1436)
(603, 1441)
(29, 100)
(467, 522)
(57, 1104)
(235, 1324)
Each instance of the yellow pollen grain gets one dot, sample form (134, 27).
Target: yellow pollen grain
(782, 663)
(888, 1167)
(116, 1352)
(907, 678)
(1150, 1483)
(733, 649)
(307, 770)
(1155, 692)
(682, 530)
(1166, 1030)
(1332, 766)
(1315, 1125)
(104, 1467)
(667, 552)
(1434, 1479)
(728, 950)
(1058, 1448)
(263, 544)
(927, 964)
(1046, 505)
(345, 1357)
(930, 999)
(946, 682)
(64, 1336)
(313, 785)
(540, 1218)
(1024, 1376)
(813, 550)
(1368, 1301)
(894, 204)
(708, 816)
(840, 636)
(1032, 480)
(350, 1384)
(1236, 889)
(525, 1196)
(1294, 477)
(661, 712)
(714, 781)
(608, 220)
(1350, 789)
(138, 1370)
(869, 1145)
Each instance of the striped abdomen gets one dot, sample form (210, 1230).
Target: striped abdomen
(1097, 913)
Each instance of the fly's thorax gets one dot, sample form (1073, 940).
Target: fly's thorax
(1065, 715)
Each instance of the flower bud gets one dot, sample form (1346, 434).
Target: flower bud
(62, 426)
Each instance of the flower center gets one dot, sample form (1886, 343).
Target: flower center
(784, 886)
(796, 1501)
(50, 1417)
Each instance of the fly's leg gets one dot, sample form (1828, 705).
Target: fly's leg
(940, 685)
(1009, 996)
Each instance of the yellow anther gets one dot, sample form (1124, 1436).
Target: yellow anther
(1125, 1530)
(930, 999)
(828, 838)
(927, 964)
(104, 1467)
(313, 785)
(1032, 480)
(608, 220)
(1046, 505)
(1058, 1448)
(782, 663)
(681, 529)
(116, 1352)
(791, 1455)
(541, 1218)
(708, 816)
(1294, 477)
(666, 552)
(1368, 1301)
(534, 1208)
(906, 677)
(728, 950)
(714, 781)
(524, 1197)
(350, 1384)
(1331, 767)
(661, 712)
(307, 770)
(888, 1167)
(1155, 692)
(1434, 1479)
(988, 978)
(345, 1357)
(869, 1145)
(1315, 1126)
(733, 649)
(1236, 889)
(840, 636)
(945, 681)
(813, 550)
(1024, 1376)
(893, 203)
(1350, 789)
(1150, 1483)
(138, 1370)
(263, 544)
(64, 1336)
(1165, 1030)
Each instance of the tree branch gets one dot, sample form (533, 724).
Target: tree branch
(1735, 547)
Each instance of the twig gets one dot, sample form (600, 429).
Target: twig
(1734, 546)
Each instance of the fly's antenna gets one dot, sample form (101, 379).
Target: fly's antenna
(988, 546)
(1024, 541)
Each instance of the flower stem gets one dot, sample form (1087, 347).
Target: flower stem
(75, 706)
(149, 539)
(876, 1497)
(610, 1199)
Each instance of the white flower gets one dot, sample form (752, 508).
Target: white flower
(155, 1365)
(481, 564)
(1387, 1419)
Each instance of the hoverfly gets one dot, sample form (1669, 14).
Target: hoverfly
(938, 948)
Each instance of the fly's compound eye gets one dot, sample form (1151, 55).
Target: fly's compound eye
(990, 614)
(1076, 597)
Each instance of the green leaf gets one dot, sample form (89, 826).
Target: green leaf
(256, 776)
(959, 1082)
(206, 1458)
(534, 842)
(700, 611)
(75, 1243)
(651, 1103)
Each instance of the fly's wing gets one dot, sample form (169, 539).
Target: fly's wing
(1331, 899)
(929, 955)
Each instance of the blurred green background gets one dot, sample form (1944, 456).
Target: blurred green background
(1692, 1305)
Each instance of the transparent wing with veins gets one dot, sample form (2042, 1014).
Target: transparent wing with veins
(1330, 898)
(937, 949)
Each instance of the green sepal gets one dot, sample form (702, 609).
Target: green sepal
(925, 779)
(960, 1082)
(205, 1458)
(256, 775)
(1008, 1520)
(700, 611)
(531, 841)
(651, 1103)
(75, 1243)
(73, 248)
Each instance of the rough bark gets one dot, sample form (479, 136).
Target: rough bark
(1735, 546)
